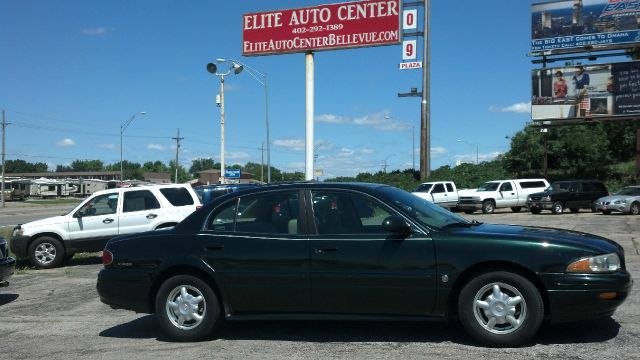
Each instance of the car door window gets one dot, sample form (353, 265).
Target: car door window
(139, 201)
(438, 188)
(343, 213)
(260, 214)
(506, 187)
(449, 187)
(100, 205)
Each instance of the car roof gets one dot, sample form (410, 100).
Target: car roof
(140, 187)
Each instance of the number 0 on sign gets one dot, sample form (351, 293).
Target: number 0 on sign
(410, 19)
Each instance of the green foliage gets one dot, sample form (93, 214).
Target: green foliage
(183, 175)
(155, 166)
(198, 165)
(21, 166)
(87, 165)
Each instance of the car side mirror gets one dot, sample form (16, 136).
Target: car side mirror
(397, 225)
(78, 214)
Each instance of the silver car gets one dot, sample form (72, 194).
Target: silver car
(626, 201)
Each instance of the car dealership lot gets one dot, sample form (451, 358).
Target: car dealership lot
(56, 314)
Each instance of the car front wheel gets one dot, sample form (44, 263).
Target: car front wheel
(500, 309)
(488, 207)
(46, 252)
(557, 208)
(635, 208)
(187, 308)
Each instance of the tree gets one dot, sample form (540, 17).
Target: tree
(155, 166)
(87, 165)
(183, 175)
(21, 166)
(198, 165)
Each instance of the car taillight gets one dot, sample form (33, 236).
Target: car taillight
(107, 257)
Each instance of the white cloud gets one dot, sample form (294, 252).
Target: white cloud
(366, 151)
(471, 158)
(101, 30)
(66, 142)
(438, 151)
(381, 121)
(156, 147)
(107, 146)
(515, 108)
(291, 144)
(345, 152)
(330, 118)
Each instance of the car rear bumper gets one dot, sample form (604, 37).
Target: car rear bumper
(125, 289)
(575, 297)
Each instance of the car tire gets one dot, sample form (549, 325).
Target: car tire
(557, 208)
(488, 207)
(516, 208)
(634, 209)
(536, 211)
(500, 309)
(187, 308)
(46, 252)
(606, 212)
(574, 210)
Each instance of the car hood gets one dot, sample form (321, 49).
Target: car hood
(615, 197)
(542, 235)
(54, 220)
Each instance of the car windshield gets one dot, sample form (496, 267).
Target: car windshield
(489, 186)
(421, 210)
(559, 186)
(631, 191)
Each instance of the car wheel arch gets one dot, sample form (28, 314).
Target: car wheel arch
(47, 234)
(184, 270)
(492, 266)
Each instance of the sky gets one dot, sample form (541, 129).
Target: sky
(73, 72)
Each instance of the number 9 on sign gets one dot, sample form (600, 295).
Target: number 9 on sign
(409, 49)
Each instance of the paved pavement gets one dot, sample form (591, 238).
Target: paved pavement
(56, 314)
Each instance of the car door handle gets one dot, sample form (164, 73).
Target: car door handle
(326, 250)
(152, 216)
(214, 247)
(107, 221)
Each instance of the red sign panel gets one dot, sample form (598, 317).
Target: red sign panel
(324, 27)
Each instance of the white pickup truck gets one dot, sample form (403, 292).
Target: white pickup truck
(500, 194)
(443, 193)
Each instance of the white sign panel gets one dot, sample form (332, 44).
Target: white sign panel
(411, 65)
(410, 19)
(409, 49)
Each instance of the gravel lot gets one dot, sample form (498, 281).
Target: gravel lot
(56, 314)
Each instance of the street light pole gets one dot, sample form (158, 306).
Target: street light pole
(236, 67)
(123, 127)
(265, 83)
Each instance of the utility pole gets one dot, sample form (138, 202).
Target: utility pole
(425, 123)
(177, 139)
(262, 163)
(4, 126)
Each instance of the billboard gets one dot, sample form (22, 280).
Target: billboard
(323, 27)
(573, 25)
(589, 91)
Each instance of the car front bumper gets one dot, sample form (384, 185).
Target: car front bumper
(612, 207)
(18, 245)
(575, 297)
(542, 205)
(127, 289)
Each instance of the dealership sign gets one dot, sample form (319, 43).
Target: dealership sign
(323, 27)
(573, 25)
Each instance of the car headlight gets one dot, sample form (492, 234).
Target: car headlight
(620, 202)
(595, 264)
(529, 198)
(546, 198)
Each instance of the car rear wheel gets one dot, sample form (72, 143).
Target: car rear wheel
(500, 309)
(516, 208)
(187, 308)
(488, 207)
(557, 208)
(46, 252)
(635, 209)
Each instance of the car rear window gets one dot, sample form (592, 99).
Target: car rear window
(177, 196)
(532, 184)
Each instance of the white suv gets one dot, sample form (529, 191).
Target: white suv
(104, 215)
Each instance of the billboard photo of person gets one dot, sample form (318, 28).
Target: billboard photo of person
(560, 87)
(580, 82)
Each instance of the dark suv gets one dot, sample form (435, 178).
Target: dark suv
(208, 193)
(572, 194)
